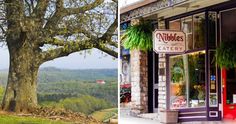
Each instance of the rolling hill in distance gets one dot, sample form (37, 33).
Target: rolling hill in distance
(57, 86)
(52, 74)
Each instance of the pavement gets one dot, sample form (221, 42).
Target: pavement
(126, 118)
(136, 120)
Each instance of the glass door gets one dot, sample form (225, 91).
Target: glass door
(228, 34)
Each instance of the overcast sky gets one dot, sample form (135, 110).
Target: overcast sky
(73, 61)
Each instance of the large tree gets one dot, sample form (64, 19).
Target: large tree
(37, 31)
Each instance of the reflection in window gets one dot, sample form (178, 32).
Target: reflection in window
(174, 25)
(187, 29)
(187, 86)
(212, 17)
(194, 28)
(199, 31)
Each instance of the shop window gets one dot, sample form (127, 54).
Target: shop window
(187, 80)
(187, 28)
(228, 26)
(212, 17)
(195, 29)
(174, 25)
(213, 100)
(199, 31)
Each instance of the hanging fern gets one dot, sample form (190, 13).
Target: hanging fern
(226, 55)
(138, 37)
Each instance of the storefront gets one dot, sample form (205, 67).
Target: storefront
(191, 82)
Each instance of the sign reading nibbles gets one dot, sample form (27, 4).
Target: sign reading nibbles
(166, 41)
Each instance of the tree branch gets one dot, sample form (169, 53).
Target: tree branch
(112, 28)
(84, 8)
(40, 9)
(107, 50)
(29, 6)
(3, 30)
(66, 49)
(112, 43)
(53, 21)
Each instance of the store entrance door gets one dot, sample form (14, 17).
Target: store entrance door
(229, 93)
(228, 33)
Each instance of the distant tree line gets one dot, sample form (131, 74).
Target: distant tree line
(85, 104)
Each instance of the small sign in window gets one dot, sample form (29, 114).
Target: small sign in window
(234, 98)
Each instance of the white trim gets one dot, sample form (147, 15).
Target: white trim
(192, 117)
(216, 114)
(186, 113)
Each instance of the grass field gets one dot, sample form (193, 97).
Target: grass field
(11, 119)
(105, 114)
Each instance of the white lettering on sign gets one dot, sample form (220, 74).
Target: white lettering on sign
(166, 41)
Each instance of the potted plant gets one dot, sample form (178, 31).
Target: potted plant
(138, 36)
(169, 116)
(226, 55)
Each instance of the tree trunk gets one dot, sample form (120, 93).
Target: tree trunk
(20, 94)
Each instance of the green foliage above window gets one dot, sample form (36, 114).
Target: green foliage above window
(138, 36)
(226, 55)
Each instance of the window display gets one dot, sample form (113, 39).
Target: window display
(187, 80)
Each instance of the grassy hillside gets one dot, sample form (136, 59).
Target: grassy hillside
(105, 114)
(11, 119)
(56, 91)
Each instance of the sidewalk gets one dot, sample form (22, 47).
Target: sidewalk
(126, 118)
(136, 120)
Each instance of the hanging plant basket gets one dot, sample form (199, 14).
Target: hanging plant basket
(138, 37)
(226, 55)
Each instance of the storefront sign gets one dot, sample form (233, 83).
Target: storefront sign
(165, 41)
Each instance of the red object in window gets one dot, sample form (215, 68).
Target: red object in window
(125, 86)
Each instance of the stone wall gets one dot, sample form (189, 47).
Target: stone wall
(162, 76)
(162, 82)
(139, 82)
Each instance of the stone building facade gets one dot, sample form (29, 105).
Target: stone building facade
(139, 82)
(208, 17)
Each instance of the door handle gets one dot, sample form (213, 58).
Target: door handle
(231, 107)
